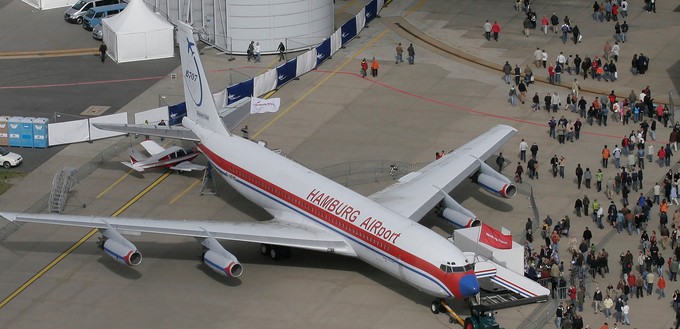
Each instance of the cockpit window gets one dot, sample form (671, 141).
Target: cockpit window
(448, 268)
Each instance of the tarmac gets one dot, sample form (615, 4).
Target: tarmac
(330, 116)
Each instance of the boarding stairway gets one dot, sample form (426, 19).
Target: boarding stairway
(62, 183)
(498, 300)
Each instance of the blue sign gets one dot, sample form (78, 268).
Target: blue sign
(349, 30)
(371, 10)
(286, 72)
(323, 51)
(240, 90)
(176, 113)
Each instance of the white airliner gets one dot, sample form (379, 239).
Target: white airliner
(311, 211)
(173, 157)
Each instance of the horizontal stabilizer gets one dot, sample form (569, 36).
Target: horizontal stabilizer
(150, 130)
(187, 166)
(132, 166)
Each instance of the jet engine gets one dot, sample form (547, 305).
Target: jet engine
(225, 265)
(121, 252)
(119, 248)
(219, 259)
(456, 214)
(494, 182)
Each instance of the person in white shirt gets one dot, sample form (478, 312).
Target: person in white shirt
(523, 146)
(257, 52)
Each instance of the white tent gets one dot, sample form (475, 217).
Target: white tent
(138, 34)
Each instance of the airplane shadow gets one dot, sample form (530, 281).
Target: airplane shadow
(125, 272)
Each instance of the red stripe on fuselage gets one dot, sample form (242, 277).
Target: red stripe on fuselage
(449, 280)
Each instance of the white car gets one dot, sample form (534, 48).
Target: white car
(9, 159)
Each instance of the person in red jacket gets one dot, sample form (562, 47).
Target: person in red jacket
(495, 28)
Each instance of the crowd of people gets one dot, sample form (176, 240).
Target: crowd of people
(615, 202)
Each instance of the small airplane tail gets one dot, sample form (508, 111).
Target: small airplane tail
(135, 155)
(200, 104)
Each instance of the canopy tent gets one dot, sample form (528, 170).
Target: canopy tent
(137, 34)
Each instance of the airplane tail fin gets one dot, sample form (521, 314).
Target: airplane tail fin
(200, 104)
(135, 155)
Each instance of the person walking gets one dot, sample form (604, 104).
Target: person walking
(487, 30)
(282, 51)
(523, 146)
(500, 161)
(411, 54)
(495, 29)
(374, 67)
(256, 52)
(399, 50)
(579, 177)
(364, 68)
(251, 50)
(513, 95)
(102, 51)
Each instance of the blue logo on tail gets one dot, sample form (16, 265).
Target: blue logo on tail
(195, 77)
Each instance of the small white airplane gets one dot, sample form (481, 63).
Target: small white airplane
(311, 211)
(174, 157)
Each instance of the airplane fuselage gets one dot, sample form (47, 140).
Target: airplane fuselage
(378, 236)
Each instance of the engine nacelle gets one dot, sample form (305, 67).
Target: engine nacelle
(456, 214)
(459, 219)
(224, 264)
(494, 182)
(123, 252)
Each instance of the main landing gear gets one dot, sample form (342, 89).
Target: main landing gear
(275, 252)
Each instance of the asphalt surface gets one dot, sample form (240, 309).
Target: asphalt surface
(408, 113)
(62, 88)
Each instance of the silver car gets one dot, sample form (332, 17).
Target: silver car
(98, 32)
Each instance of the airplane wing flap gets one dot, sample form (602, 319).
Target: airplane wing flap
(416, 193)
(269, 232)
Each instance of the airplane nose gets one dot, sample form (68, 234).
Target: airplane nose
(469, 285)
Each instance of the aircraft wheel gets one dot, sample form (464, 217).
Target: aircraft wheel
(435, 307)
(450, 320)
(264, 249)
(274, 253)
(469, 324)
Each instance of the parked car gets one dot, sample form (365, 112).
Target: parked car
(9, 159)
(94, 16)
(98, 32)
(76, 12)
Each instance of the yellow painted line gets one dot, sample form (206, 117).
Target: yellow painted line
(114, 184)
(416, 7)
(184, 192)
(142, 193)
(310, 91)
(78, 243)
(47, 268)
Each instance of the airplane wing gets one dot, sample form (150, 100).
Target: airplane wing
(187, 166)
(152, 147)
(418, 192)
(175, 132)
(275, 232)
